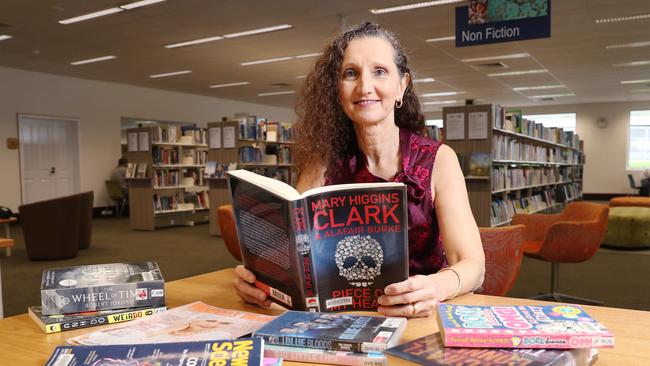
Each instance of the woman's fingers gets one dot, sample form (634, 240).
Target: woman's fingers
(423, 308)
(243, 283)
(244, 274)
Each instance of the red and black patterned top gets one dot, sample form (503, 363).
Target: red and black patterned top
(426, 255)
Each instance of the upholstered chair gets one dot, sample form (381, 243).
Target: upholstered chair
(503, 257)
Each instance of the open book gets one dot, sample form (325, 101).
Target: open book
(332, 248)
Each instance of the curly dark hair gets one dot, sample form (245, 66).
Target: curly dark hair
(325, 134)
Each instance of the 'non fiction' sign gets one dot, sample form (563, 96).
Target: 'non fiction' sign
(495, 21)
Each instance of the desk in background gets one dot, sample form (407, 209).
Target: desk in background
(23, 343)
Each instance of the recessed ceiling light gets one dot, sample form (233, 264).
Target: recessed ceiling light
(635, 81)
(551, 96)
(91, 60)
(514, 73)
(441, 94)
(229, 84)
(193, 42)
(539, 87)
(96, 14)
(258, 31)
(170, 74)
(441, 102)
(276, 93)
(502, 57)
(441, 39)
(425, 4)
(4, 36)
(628, 45)
(633, 63)
(138, 4)
(423, 80)
(278, 59)
(268, 60)
(623, 19)
(308, 55)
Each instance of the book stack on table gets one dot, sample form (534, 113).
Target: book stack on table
(549, 335)
(91, 295)
(331, 338)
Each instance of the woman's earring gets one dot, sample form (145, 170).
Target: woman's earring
(398, 104)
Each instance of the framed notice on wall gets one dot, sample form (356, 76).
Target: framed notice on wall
(215, 137)
(143, 141)
(229, 137)
(132, 141)
(455, 126)
(477, 125)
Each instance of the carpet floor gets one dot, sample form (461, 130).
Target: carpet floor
(619, 278)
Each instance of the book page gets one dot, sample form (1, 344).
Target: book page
(274, 186)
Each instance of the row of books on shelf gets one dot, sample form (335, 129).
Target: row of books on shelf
(502, 209)
(136, 170)
(186, 177)
(179, 134)
(513, 121)
(434, 132)
(509, 148)
(504, 177)
(172, 201)
(171, 155)
(254, 128)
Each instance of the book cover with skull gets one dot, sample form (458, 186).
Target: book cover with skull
(559, 326)
(333, 248)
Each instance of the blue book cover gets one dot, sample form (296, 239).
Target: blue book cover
(429, 350)
(337, 332)
(247, 351)
(332, 248)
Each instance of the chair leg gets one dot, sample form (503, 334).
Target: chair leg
(556, 296)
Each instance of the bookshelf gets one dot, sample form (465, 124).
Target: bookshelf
(166, 176)
(249, 143)
(513, 165)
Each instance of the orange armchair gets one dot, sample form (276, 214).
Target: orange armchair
(228, 227)
(572, 236)
(503, 256)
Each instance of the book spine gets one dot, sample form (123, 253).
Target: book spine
(554, 341)
(301, 225)
(325, 357)
(96, 320)
(318, 343)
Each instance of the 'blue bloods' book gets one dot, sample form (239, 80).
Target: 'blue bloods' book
(231, 352)
(333, 248)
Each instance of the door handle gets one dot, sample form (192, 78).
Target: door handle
(53, 170)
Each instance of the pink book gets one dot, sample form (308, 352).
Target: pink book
(506, 326)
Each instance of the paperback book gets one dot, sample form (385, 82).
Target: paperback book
(335, 332)
(525, 326)
(430, 351)
(62, 322)
(333, 248)
(312, 355)
(246, 351)
(192, 322)
(101, 287)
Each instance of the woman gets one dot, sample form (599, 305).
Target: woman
(360, 122)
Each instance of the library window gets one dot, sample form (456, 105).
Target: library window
(566, 121)
(638, 156)
(434, 122)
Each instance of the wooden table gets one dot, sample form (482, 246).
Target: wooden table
(23, 343)
(7, 245)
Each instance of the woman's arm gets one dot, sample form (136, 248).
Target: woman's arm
(418, 295)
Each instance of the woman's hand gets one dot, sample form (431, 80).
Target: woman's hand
(244, 285)
(415, 297)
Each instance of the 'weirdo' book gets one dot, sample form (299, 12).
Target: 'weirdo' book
(529, 326)
(332, 248)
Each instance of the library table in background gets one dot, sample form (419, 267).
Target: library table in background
(23, 343)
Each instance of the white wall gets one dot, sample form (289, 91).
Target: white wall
(99, 106)
(605, 148)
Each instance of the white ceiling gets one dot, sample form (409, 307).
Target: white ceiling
(575, 55)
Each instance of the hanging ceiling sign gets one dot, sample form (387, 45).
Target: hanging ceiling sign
(495, 21)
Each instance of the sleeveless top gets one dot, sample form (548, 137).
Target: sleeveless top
(426, 255)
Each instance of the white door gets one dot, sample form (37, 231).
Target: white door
(49, 157)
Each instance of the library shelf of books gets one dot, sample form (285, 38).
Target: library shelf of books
(511, 164)
(165, 176)
(251, 143)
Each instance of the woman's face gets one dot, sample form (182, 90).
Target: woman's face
(369, 82)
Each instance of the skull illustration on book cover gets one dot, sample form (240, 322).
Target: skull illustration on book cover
(359, 259)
